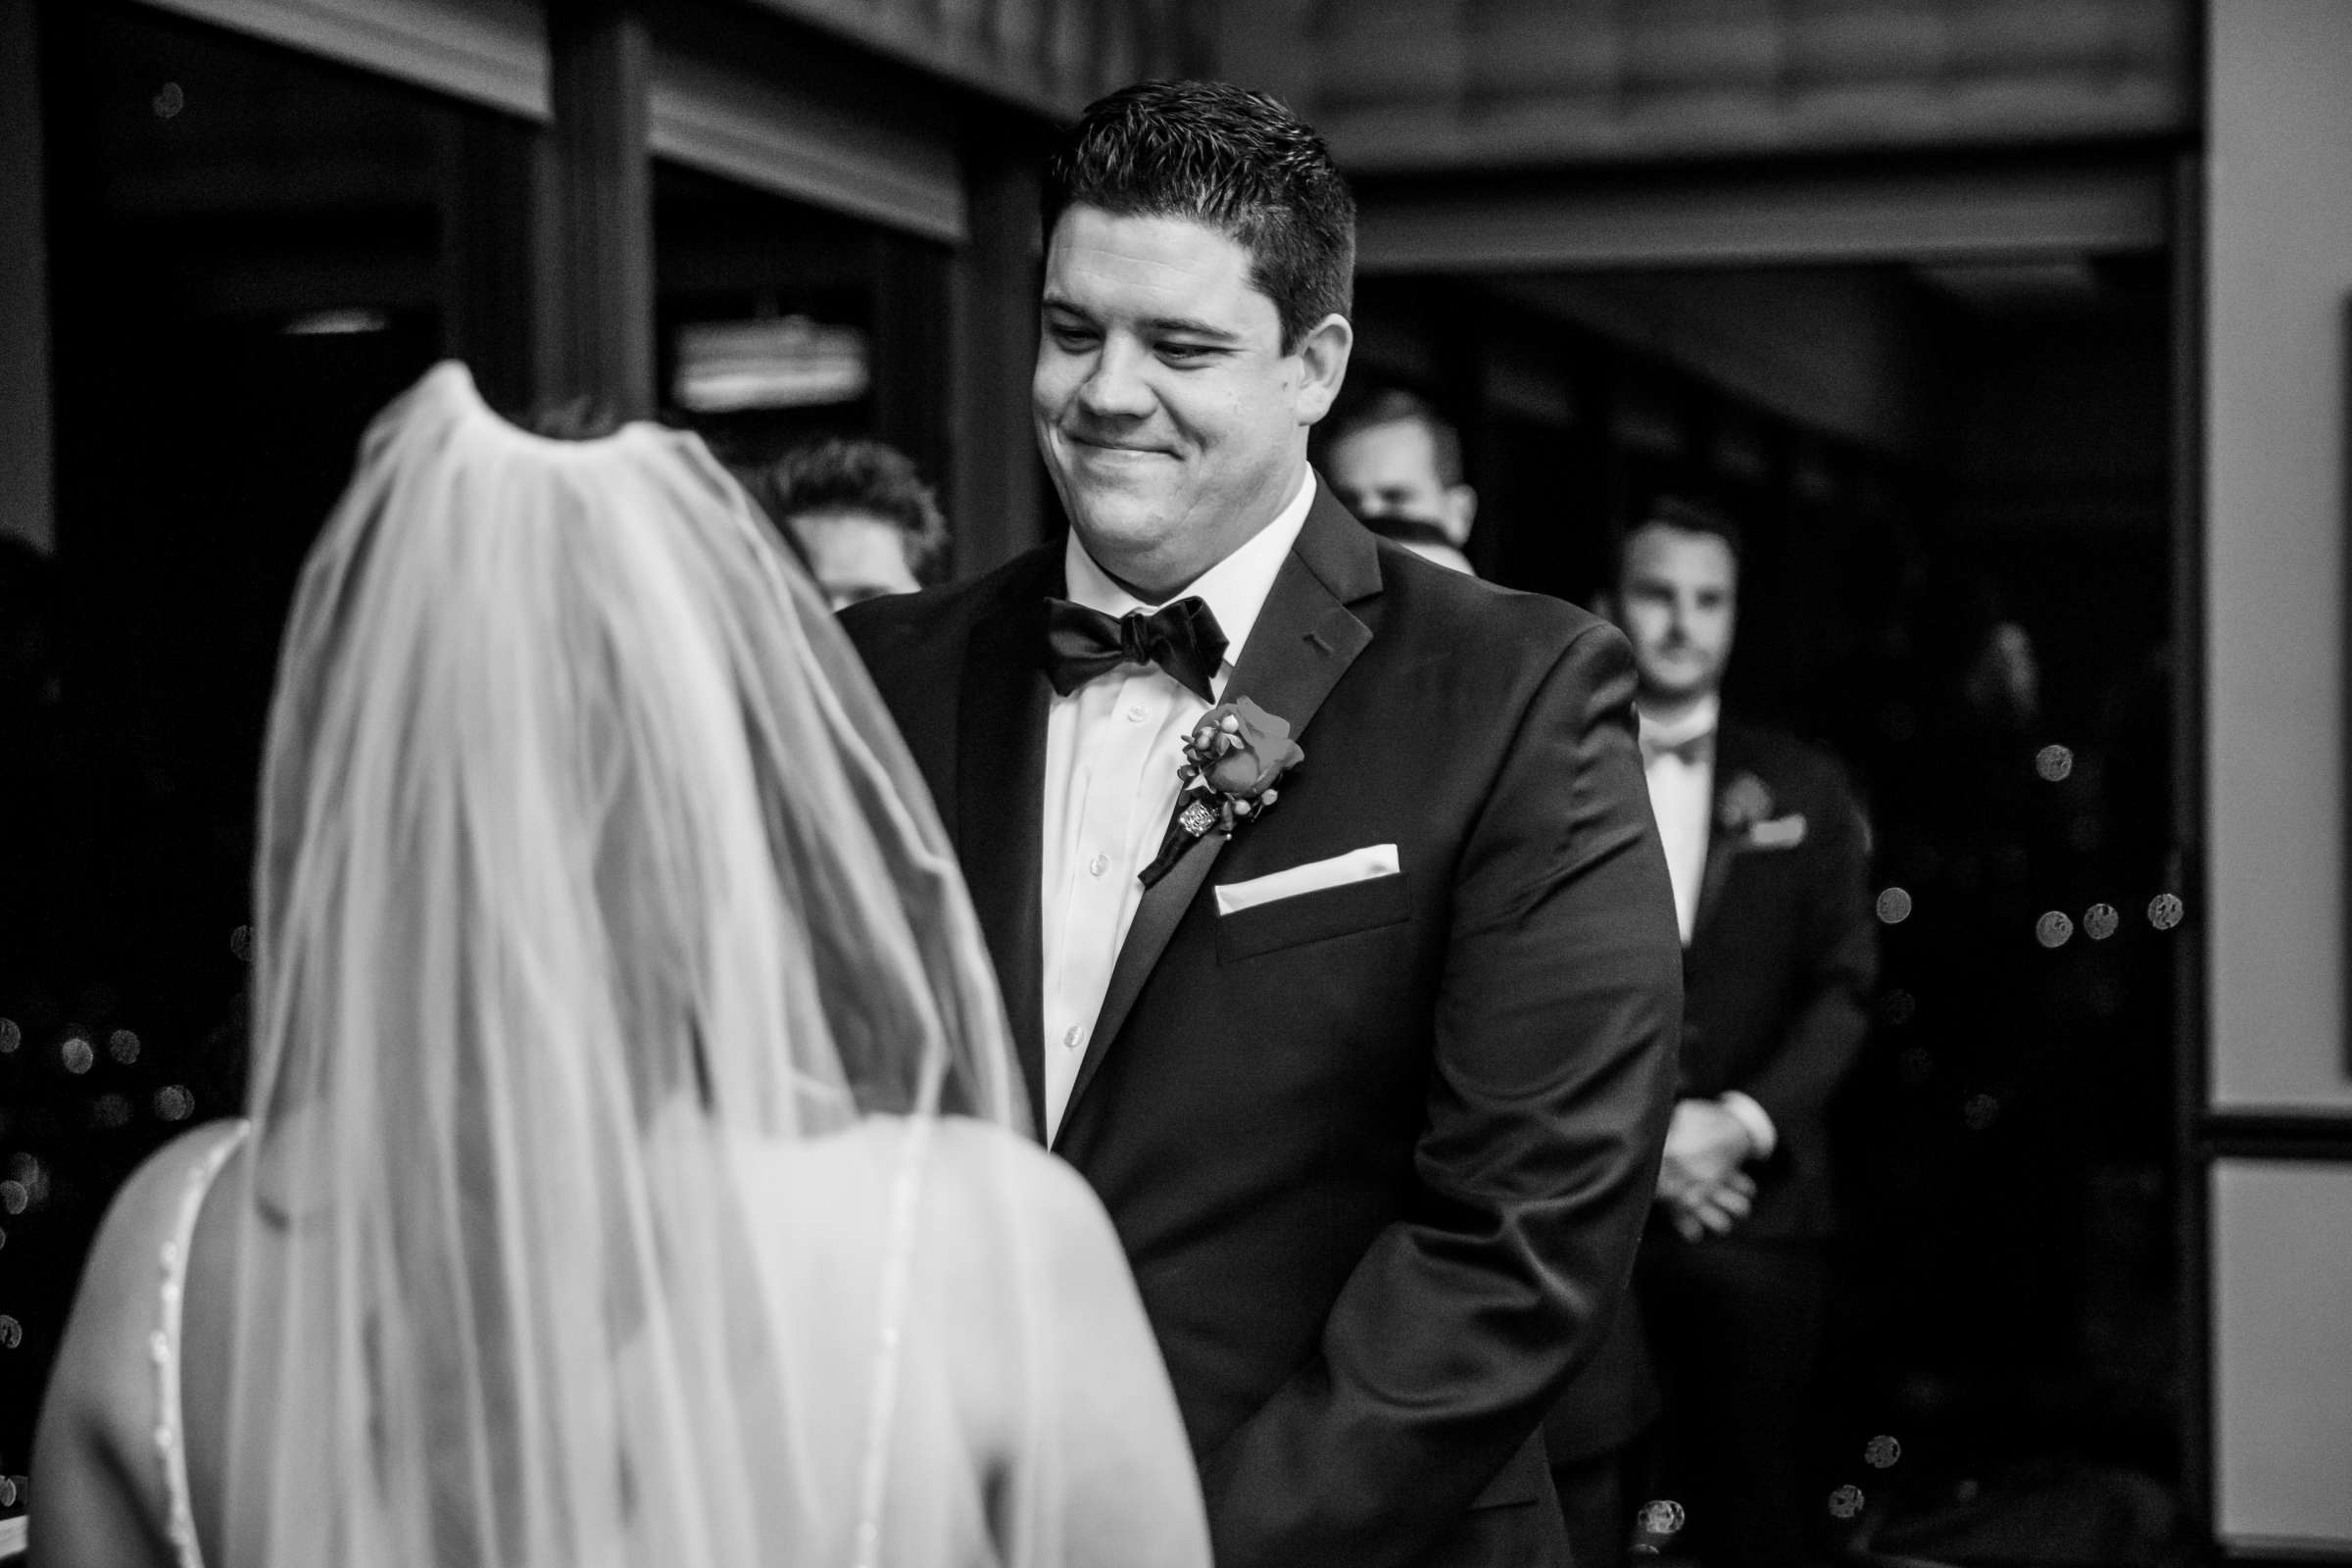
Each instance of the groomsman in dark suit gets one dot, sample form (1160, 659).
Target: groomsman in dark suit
(1369, 1050)
(1397, 464)
(1769, 857)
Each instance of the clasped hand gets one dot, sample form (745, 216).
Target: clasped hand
(1700, 1181)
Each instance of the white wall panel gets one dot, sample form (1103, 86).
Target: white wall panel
(2282, 1353)
(2279, 269)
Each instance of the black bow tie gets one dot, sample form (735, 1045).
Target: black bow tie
(1182, 638)
(1693, 750)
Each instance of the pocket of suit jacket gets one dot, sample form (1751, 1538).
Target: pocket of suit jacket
(1359, 891)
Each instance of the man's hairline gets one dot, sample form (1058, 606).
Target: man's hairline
(1426, 423)
(852, 511)
(1616, 591)
(1671, 525)
(1253, 276)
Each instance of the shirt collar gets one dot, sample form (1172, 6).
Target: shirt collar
(1701, 721)
(1235, 589)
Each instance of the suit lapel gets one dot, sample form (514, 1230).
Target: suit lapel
(1303, 642)
(999, 789)
(1731, 760)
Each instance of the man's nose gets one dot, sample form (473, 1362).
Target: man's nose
(1115, 388)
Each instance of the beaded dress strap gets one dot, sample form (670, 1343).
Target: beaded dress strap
(905, 1192)
(162, 1346)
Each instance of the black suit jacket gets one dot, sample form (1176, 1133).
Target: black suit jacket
(1379, 1153)
(1776, 983)
(1783, 960)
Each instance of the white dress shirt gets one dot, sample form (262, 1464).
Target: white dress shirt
(1112, 748)
(1682, 796)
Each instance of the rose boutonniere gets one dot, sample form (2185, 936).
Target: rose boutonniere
(1232, 762)
(1746, 801)
(1747, 812)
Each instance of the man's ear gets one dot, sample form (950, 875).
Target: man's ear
(1323, 365)
(1461, 510)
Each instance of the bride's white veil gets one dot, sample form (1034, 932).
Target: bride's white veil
(589, 858)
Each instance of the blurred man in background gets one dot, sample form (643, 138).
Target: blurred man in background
(1397, 464)
(1768, 855)
(858, 514)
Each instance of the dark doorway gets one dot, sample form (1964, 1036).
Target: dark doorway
(1956, 486)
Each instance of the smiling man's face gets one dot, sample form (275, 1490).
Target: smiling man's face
(1173, 423)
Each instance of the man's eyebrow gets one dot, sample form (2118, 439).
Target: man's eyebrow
(1186, 327)
(1179, 325)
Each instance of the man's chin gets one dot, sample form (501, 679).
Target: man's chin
(1118, 519)
(1676, 686)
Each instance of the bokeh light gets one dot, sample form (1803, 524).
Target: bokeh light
(2053, 929)
(12, 1333)
(11, 1037)
(1881, 1453)
(2054, 764)
(123, 1046)
(174, 1103)
(2102, 921)
(1894, 905)
(1662, 1517)
(1847, 1501)
(2165, 910)
(78, 1054)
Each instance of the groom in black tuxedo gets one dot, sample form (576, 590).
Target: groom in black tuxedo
(1370, 1062)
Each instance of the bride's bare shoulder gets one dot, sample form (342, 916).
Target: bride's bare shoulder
(97, 1459)
(116, 1302)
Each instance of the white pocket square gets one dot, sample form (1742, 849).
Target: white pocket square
(1357, 865)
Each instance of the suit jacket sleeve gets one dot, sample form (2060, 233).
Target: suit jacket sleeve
(1554, 1037)
(1841, 962)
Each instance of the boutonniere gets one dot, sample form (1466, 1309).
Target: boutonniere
(1746, 801)
(1745, 810)
(1232, 761)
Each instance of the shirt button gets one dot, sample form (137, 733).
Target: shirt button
(1071, 1036)
(1098, 866)
(1135, 713)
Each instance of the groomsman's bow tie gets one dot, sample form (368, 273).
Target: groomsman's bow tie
(1691, 749)
(1182, 638)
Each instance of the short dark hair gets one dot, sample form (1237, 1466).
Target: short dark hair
(1685, 514)
(854, 474)
(1233, 160)
(1397, 406)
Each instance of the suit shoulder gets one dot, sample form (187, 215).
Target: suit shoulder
(922, 615)
(1483, 617)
